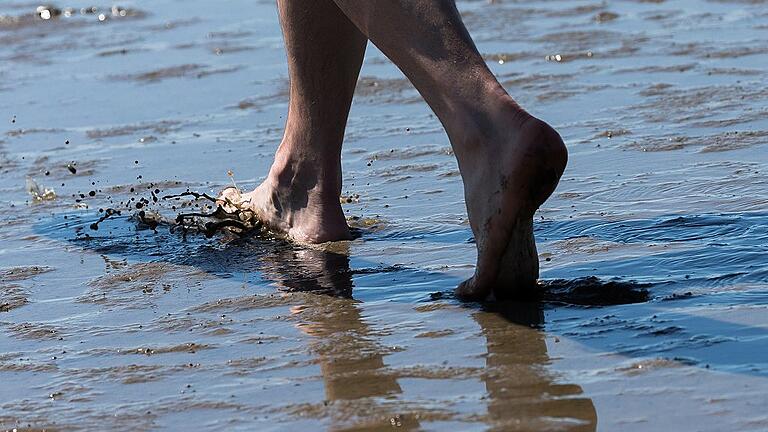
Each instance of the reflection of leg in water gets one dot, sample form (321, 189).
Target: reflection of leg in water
(351, 361)
(309, 270)
(522, 396)
(352, 364)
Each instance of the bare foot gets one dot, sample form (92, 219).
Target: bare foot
(293, 206)
(507, 180)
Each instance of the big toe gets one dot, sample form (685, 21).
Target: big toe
(470, 290)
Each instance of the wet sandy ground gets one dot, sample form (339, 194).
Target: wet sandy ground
(653, 249)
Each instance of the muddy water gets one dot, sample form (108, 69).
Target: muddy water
(655, 279)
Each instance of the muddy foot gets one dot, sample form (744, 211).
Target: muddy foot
(522, 171)
(305, 216)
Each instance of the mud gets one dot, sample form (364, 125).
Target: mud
(12, 297)
(22, 273)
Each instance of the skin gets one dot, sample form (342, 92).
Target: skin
(510, 161)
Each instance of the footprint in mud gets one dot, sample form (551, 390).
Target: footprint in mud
(587, 291)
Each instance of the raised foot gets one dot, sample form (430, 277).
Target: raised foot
(523, 169)
(304, 216)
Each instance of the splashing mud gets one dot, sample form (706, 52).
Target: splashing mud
(38, 193)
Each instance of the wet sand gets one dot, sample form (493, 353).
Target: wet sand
(652, 313)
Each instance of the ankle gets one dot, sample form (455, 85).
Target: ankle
(482, 129)
(290, 177)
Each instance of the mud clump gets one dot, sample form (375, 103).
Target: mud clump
(206, 215)
(588, 291)
(230, 214)
(591, 291)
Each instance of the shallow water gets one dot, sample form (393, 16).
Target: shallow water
(654, 278)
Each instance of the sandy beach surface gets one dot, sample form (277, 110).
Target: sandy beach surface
(654, 248)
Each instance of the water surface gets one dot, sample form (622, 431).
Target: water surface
(655, 282)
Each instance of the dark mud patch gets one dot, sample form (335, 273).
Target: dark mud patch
(37, 331)
(735, 140)
(587, 292)
(724, 141)
(190, 348)
(612, 133)
(160, 128)
(279, 95)
(240, 304)
(735, 71)
(25, 365)
(365, 414)
(217, 71)
(30, 131)
(567, 91)
(408, 153)
(22, 273)
(692, 105)
(659, 69)
(179, 71)
(576, 40)
(229, 48)
(128, 374)
(12, 297)
(591, 291)
(188, 323)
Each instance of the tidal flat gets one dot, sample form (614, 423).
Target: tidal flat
(653, 310)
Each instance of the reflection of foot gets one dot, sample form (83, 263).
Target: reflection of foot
(511, 174)
(304, 214)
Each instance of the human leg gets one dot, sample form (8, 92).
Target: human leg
(510, 161)
(300, 196)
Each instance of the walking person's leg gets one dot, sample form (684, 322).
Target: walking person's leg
(300, 195)
(510, 162)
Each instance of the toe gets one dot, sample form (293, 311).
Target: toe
(469, 290)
